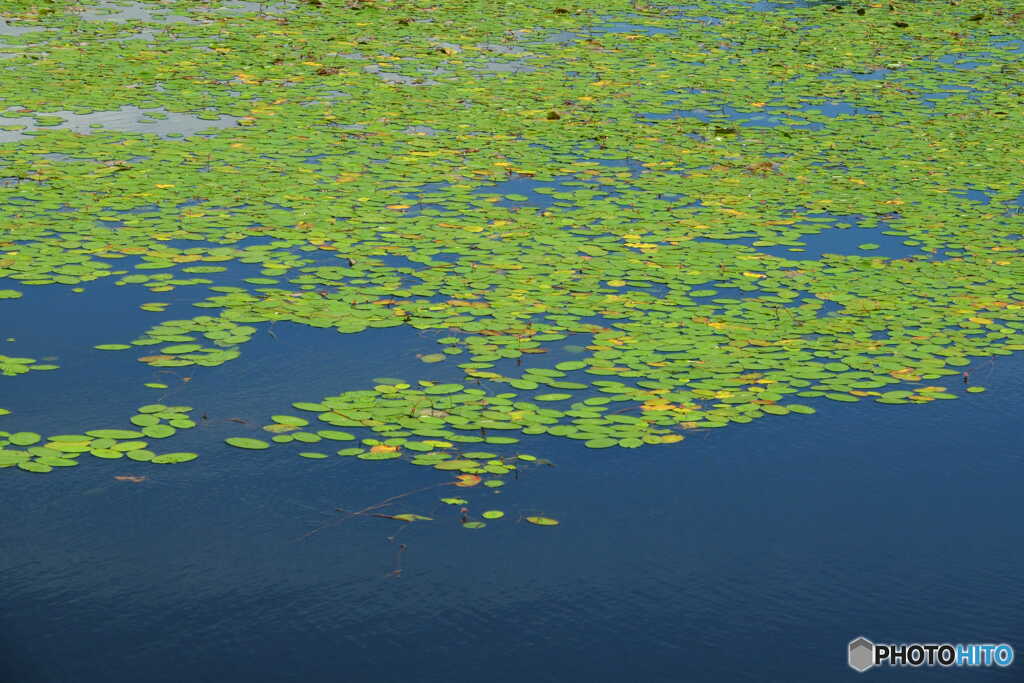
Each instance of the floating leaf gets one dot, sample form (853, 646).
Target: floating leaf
(140, 455)
(542, 521)
(159, 431)
(245, 442)
(289, 420)
(773, 409)
(56, 461)
(114, 434)
(335, 435)
(181, 348)
(313, 407)
(379, 455)
(174, 457)
(408, 517)
(24, 438)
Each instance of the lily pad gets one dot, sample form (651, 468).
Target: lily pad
(174, 458)
(245, 442)
(159, 431)
(24, 438)
(542, 521)
(114, 434)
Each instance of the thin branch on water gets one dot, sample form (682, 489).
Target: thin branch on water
(346, 515)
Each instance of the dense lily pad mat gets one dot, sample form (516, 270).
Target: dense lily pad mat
(574, 202)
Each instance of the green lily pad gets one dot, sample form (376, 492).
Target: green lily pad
(542, 521)
(24, 438)
(335, 435)
(410, 517)
(114, 434)
(289, 420)
(245, 442)
(174, 458)
(312, 407)
(159, 431)
(140, 455)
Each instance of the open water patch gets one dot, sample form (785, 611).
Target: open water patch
(9, 30)
(125, 12)
(126, 119)
(829, 234)
(767, 117)
(625, 27)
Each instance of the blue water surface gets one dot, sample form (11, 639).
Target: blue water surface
(751, 553)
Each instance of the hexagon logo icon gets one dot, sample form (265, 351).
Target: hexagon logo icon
(861, 654)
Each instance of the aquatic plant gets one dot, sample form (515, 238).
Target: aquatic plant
(604, 214)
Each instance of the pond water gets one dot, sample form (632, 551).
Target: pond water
(749, 552)
(753, 554)
(126, 119)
